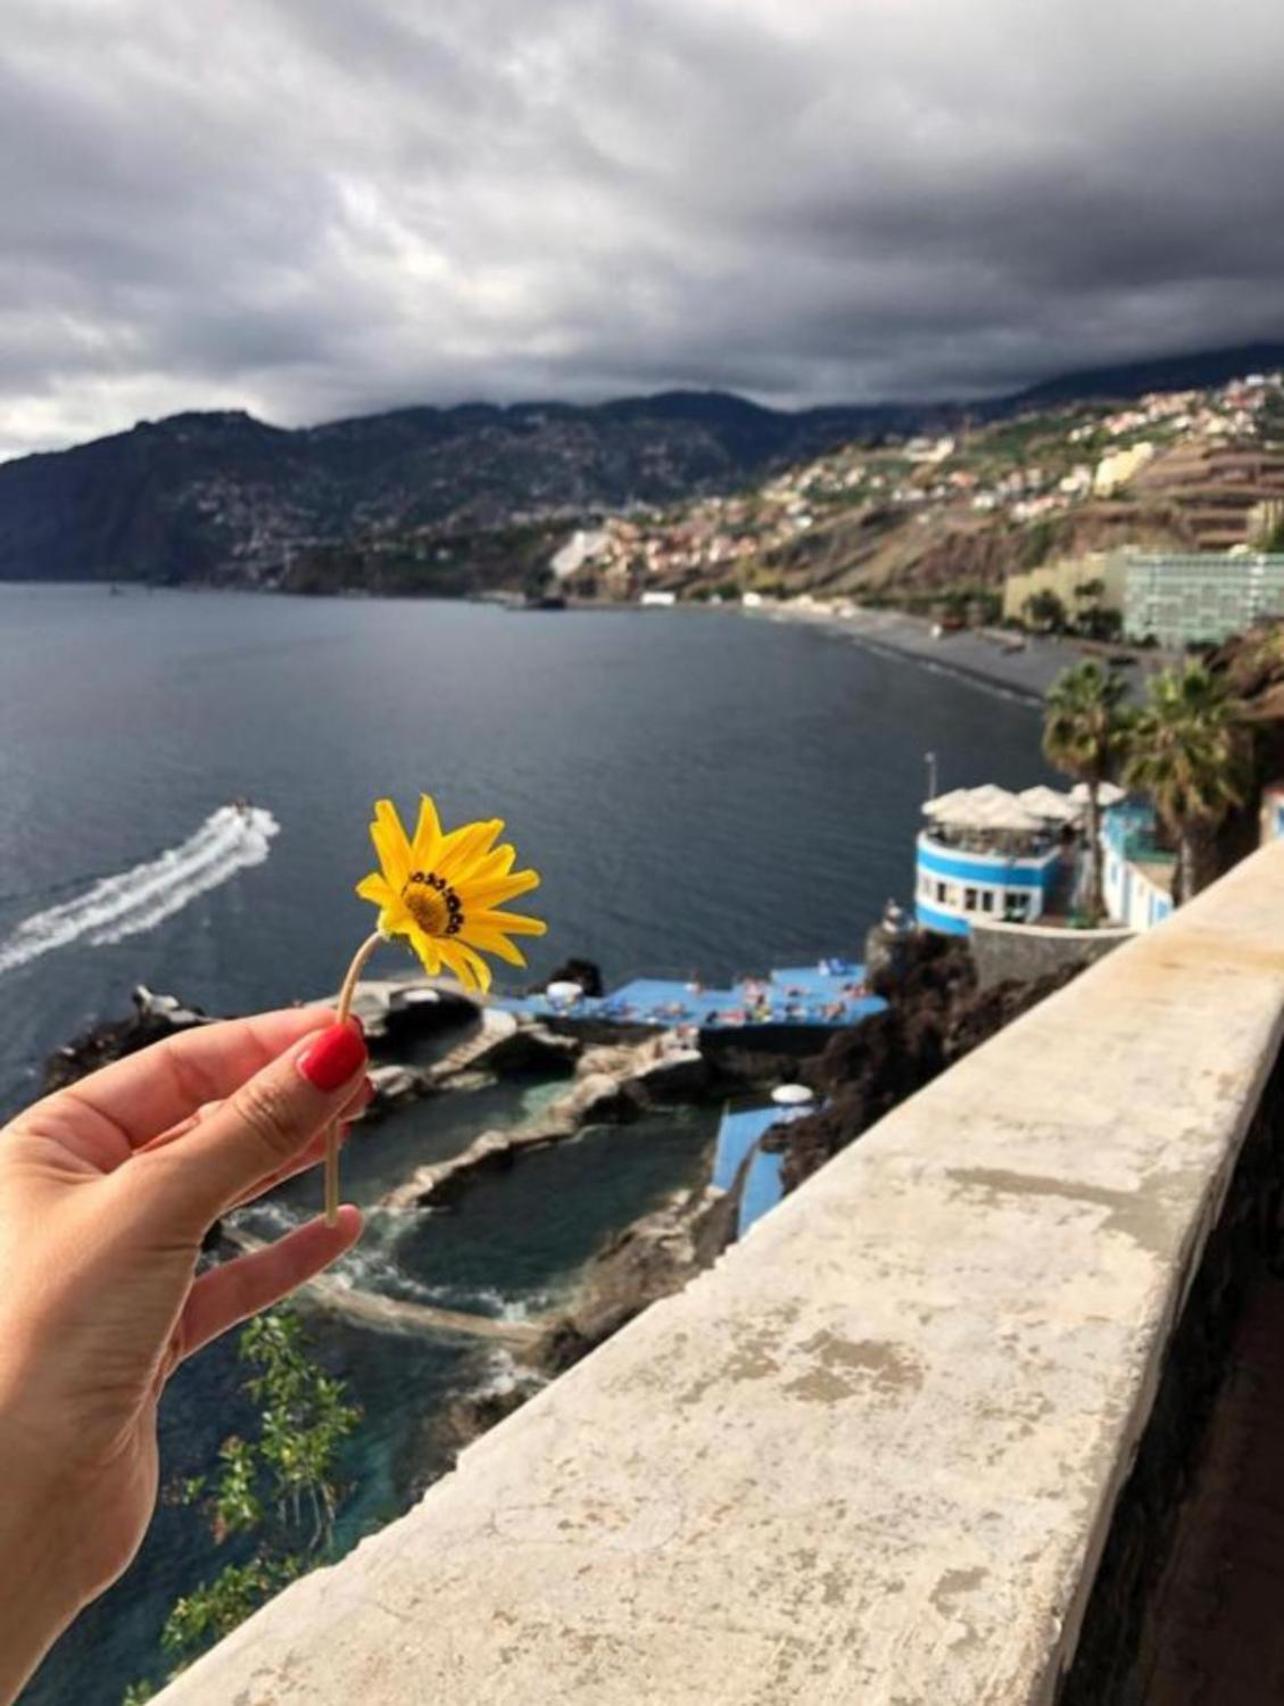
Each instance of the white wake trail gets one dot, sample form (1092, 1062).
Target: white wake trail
(229, 840)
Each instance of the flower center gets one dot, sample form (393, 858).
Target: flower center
(433, 904)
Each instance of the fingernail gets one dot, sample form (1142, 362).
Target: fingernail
(334, 1057)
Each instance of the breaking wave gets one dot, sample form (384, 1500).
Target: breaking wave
(230, 839)
(374, 1264)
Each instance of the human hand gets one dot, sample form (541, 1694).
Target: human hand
(107, 1189)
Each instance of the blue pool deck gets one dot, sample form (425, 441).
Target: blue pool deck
(739, 1132)
(830, 993)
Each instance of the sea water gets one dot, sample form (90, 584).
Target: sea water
(704, 794)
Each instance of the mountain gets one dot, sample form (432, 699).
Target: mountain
(224, 497)
(1165, 373)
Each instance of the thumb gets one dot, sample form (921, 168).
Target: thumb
(258, 1129)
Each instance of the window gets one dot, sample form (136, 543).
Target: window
(1017, 908)
(969, 900)
(942, 893)
(987, 900)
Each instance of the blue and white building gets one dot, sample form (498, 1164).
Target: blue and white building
(986, 854)
(1138, 874)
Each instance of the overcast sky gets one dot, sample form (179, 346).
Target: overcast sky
(312, 208)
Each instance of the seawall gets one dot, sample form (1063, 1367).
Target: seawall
(1029, 951)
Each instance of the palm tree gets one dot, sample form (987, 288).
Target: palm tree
(1187, 751)
(1044, 611)
(1083, 735)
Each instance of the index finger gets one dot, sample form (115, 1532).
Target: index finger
(147, 1092)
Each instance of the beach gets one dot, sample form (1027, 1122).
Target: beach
(978, 654)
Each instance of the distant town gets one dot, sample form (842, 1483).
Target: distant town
(1100, 507)
(1161, 522)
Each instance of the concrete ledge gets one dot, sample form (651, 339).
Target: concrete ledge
(1108, 935)
(872, 1457)
(1027, 951)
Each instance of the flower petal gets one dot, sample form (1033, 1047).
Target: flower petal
(499, 889)
(377, 888)
(477, 965)
(462, 848)
(497, 863)
(511, 923)
(425, 846)
(425, 947)
(493, 942)
(450, 961)
(471, 970)
(390, 843)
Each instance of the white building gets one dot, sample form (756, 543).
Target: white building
(987, 854)
(1138, 875)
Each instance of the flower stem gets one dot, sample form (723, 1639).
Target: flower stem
(346, 993)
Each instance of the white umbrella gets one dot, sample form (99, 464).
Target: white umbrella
(996, 808)
(792, 1095)
(1107, 793)
(944, 804)
(795, 1101)
(1048, 804)
(990, 794)
(563, 990)
(964, 808)
(987, 807)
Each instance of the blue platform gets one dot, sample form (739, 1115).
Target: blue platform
(830, 993)
(738, 1133)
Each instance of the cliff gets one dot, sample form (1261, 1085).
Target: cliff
(936, 1016)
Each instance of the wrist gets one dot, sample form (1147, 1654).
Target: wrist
(38, 1596)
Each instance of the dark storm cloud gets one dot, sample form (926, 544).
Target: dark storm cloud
(314, 207)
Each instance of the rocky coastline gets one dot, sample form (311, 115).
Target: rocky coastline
(936, 1014)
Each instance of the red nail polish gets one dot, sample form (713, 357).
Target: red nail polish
(334, 1057)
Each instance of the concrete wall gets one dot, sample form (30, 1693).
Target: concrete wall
(874, 1455)
(1002, 951)
(1137, 876)
(1128, 1629)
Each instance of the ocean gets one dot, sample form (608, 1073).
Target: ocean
(703, 793)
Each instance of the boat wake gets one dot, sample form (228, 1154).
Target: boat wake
(230, 839)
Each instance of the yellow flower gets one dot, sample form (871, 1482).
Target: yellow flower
(444, 892)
